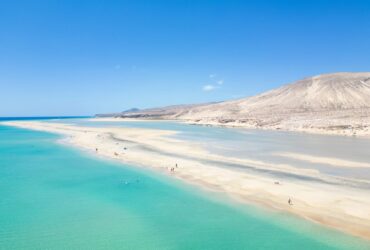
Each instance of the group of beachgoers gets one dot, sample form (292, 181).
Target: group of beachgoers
(172, 169)
(115, 153)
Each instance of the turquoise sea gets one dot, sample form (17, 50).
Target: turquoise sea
(56, 197)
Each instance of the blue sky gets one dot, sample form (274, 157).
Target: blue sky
(86, 57)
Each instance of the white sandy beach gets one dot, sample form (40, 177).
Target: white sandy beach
(335, 205)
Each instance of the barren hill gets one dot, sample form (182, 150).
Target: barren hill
(338, 103)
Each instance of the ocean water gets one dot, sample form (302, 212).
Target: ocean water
(56, 197)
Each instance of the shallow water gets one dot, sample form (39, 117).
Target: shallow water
(264, 145)
(54, 197)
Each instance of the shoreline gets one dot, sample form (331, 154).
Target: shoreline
(339, 207)
(314, 131)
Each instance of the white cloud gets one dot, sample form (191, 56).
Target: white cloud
(209, 87)
(215, 84)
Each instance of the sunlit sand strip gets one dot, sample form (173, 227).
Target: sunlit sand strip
(324, 160)
(337, 206)
(118, 119)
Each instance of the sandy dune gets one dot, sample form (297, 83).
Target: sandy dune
(314, 197)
